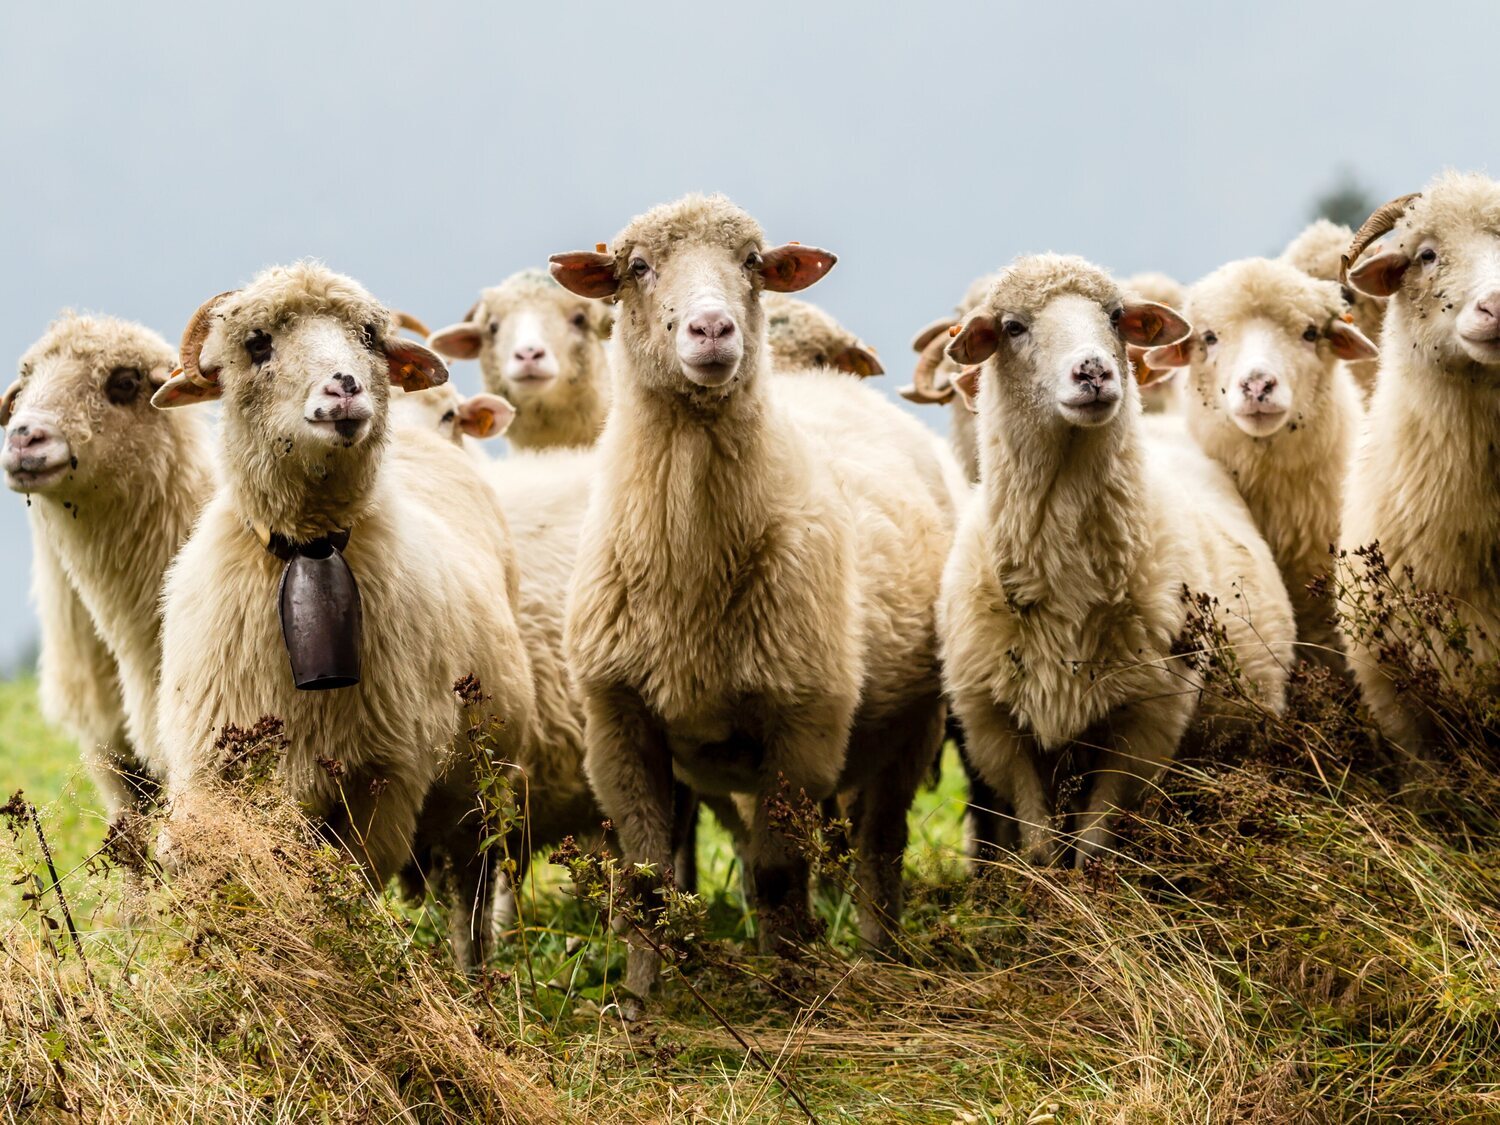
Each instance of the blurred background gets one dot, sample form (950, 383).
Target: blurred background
(157, 154)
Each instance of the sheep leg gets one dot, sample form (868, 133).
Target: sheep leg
(879, 816)
(1006, 760)
(798, 756)
(685, 838)
(990, 821)
(631, 770)
(1143, 738)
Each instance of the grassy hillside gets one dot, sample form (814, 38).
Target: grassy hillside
(1289, 934)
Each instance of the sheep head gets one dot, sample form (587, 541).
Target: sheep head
(1269, 342)
(442, 410)
(688, 277)
(1049, 341)
(803, 335)
(1440, 266)
(76, 419)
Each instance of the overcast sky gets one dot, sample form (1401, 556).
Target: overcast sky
(156, 154)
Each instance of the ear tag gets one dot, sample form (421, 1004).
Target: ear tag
(321, 622)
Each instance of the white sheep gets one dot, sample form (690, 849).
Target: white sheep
(542, 349)
(1422, 484)
(1270, 398)
(933, 380)
(445, 412)
(112, 489)
(1318, 251)
(1160, 392)
(303, 360)
(800, 334)
(752, 605)
(1065, 600)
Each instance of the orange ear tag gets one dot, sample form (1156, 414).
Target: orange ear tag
(599, 248)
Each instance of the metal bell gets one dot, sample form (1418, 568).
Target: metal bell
(320, 617)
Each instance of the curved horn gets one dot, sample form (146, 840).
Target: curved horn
(411, 324)
(1384, 218)
(920, 341)
(192, 340)
(924, 386)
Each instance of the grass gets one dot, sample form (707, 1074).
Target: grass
(1298, 929)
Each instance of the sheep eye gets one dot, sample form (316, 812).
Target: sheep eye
(1348, 294)
(1014, 328)
(258, 345)
(1114, 317)
(753, 260)
(1311, 334)
(494, 328)
(639, 267)
(123, 386)
(580, 320)
(370, 336)
(448, 417)
(1428, 256)
(1210, 339)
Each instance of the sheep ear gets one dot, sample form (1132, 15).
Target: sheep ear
(485, 416)
(920, 341)
(1381, 275)
(911, 394)
(1147, 324)
(413, 367)
(1179, 354)
(786, 269)
(975, 342)
(857, 360)
(589, 274)
(966, 383)
(457, 341)
(1145, 374)
(1349, 343)
(8, 403)
(180, 390)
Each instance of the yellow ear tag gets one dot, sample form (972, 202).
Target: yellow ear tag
(600, 248)
(955, 330)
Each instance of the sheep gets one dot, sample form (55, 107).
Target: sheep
(1066, 597)
(752, 603)
(932, 381)
(1422, 484)
(1318, 251)
(1161, 395)
(802, 335)
(302, 359)
(1271, 400)
(542, 349)
(112, 489)
(444, 411)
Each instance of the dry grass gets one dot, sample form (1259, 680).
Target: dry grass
(1300, 926)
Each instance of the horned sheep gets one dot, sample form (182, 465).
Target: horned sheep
(303, 360)
(1270, 398)
(1066, 598)
(543, 350)
(752, 605)
(1422, 484)
(112, 488)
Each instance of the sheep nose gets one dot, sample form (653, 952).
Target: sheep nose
(27, 435)
(1092, 372)
(711, 326)
(342, 387)
(1488, 306)
(1258, 385)
(530, 354)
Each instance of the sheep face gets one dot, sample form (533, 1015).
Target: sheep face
(803, 335)
(445, 412)
(78, 418)
(532, 338)
(1441, 268)
(1268, 345)
(1052, 339)
(688, 276)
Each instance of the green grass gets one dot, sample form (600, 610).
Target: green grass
(1282, 939)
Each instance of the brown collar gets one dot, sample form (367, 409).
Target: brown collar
(284, 548)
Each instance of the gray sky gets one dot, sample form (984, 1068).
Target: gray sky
(157, 154)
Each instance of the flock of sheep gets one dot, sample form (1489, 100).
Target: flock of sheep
(718, 568)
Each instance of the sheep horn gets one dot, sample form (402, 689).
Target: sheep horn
(192, 341)
(1381, 222)
(410, 323)
(924, 386)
